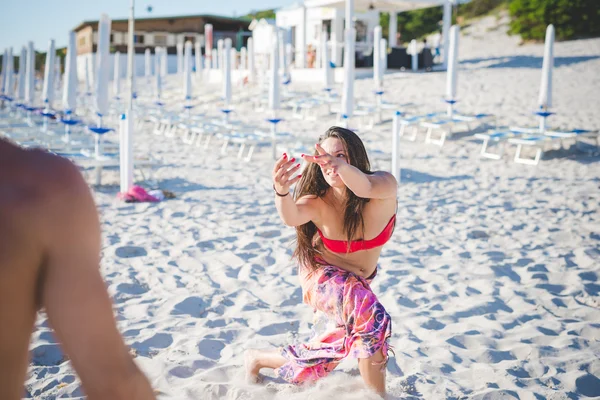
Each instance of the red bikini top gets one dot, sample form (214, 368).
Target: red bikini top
(341, 246)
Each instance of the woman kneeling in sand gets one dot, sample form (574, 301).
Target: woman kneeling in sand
(343, 214)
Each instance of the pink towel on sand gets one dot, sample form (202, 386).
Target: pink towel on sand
(137, 194)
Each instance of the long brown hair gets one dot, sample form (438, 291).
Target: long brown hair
(313, 183)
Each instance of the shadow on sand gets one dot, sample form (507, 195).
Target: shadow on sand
(527, 61)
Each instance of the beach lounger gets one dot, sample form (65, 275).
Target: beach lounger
(500, 137)
(412, 121)
(537, 142)
(445, 125)
(546, 139)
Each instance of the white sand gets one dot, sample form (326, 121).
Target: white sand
(491, 277)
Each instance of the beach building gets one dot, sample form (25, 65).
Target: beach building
(306, 22)
(166, 32)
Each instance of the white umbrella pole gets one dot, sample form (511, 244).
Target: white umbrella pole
(395, 146)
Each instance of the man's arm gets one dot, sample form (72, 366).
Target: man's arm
(75, 296)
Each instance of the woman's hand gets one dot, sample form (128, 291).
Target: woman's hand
(325, 160)
(282, 172)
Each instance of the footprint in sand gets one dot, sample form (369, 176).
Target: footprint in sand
(192, 306)
(588, 385)
(210, 348)
(433, 325)
(275, 329)
(148, 347)
(130, 252)
(182, 372)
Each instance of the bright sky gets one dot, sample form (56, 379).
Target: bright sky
(41, 20)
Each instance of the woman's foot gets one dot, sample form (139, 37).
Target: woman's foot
(252, 366)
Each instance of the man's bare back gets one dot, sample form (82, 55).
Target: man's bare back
(49, 257)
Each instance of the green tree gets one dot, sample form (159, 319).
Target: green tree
(266, 14)
(414, 24)
(571, 18)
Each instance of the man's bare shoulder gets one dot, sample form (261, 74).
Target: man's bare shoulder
(34, 183)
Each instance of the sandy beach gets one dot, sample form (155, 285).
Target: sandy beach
(491, 277)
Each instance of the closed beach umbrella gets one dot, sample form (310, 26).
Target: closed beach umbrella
(187, 71)
(117, 75)
(219, 57)
(274, 101)
(243, 58)
(274, 81)
(327, 70)
(208, 41)
(164, 62)
(383, 54)
(30, 76)
(158, 75)
(251, 65)
(156, 61)
(22, 74)
(348, 87)
(102, 66)
(88, 83)
(545, 99)
(147, 64)
(58, 72)
(179, 58)
(283, 55)
(69, 98)
(198, 57)
(349, 38)
(9, 76)
(227, 71)
(48, 89)
(452, 72)
(289, 51)
(3, 74)
(377, 67)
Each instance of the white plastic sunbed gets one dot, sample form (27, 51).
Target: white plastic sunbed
(500, 137)
(445, 125)
(540, 141)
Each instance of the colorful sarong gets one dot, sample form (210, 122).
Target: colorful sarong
(362, 324)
